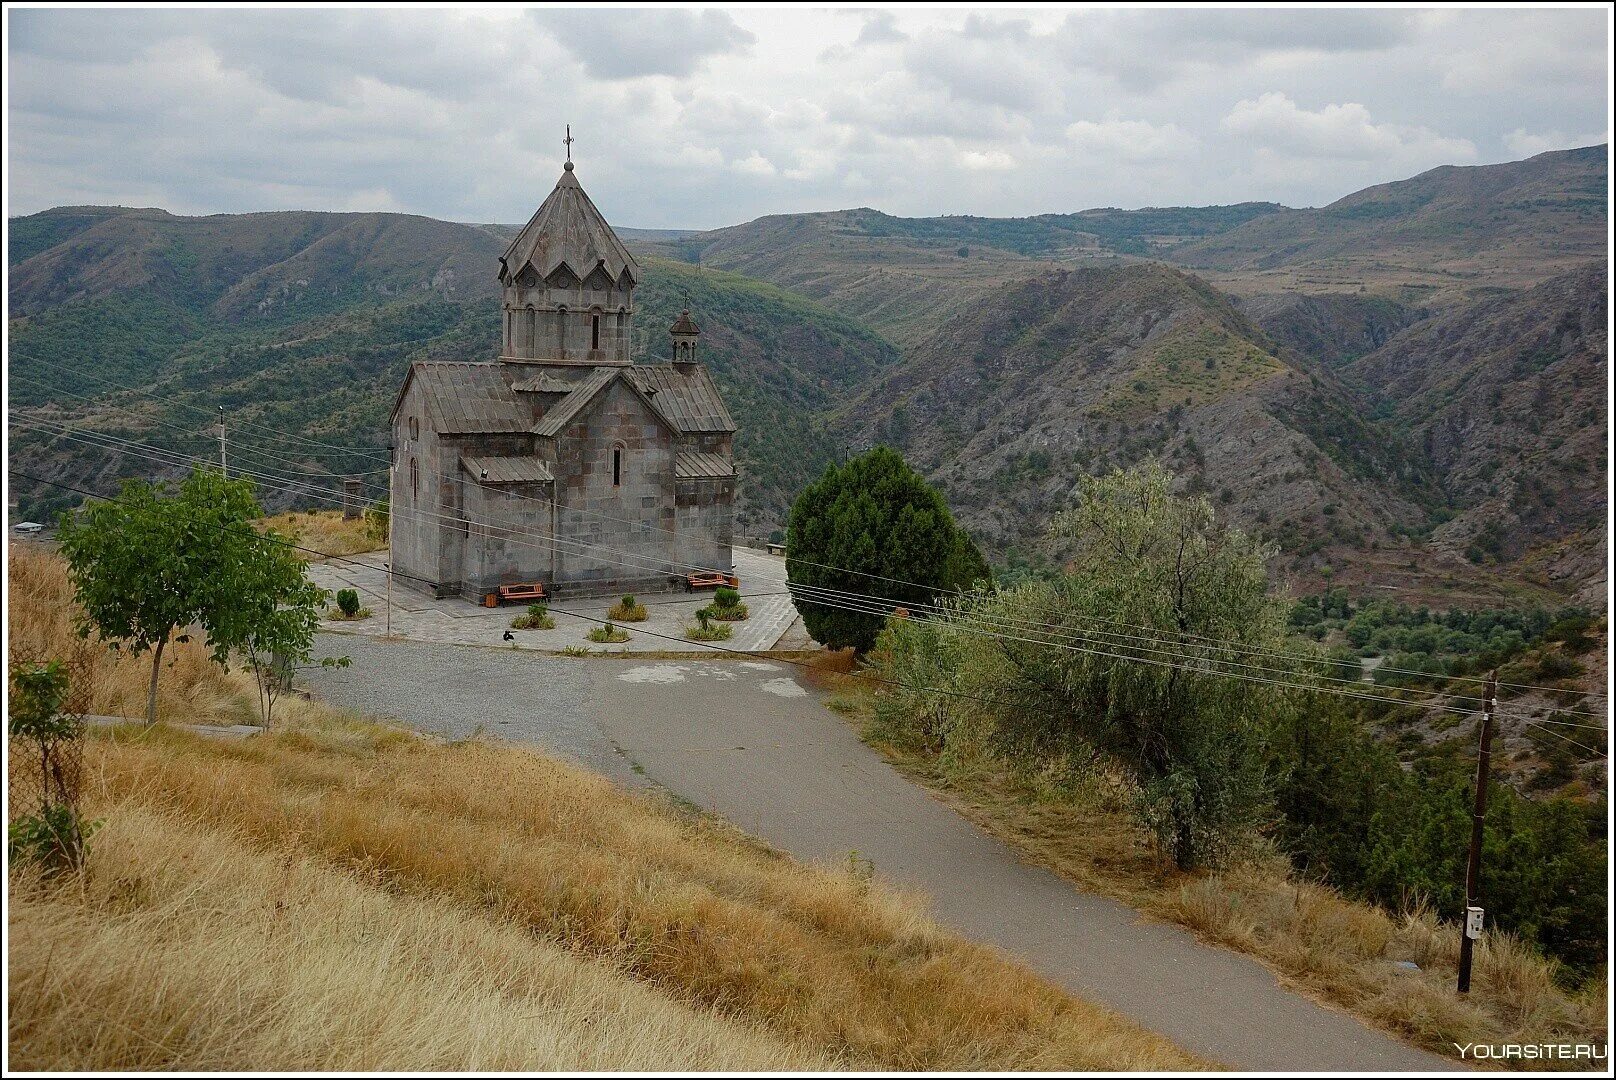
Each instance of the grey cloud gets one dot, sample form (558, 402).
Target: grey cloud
(459, 114)
(880, 28)
(626, 44)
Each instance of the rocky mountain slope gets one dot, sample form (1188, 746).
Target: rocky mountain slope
(1329, 329)
(1506, 398)
(903, 275)
(1006, 407)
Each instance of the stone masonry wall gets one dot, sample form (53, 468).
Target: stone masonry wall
(631, 523)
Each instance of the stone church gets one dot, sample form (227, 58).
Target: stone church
(563, 462)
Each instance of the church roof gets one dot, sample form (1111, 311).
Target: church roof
(568, 229)
(688, 398)
(468, 398)
(506, 470)
(684, 324)
(560, 414)
(695, 464)
(542, 383)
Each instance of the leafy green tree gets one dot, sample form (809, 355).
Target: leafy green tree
(144, 565)
(150, 563)
(873, 525)
(1154, 596)
(269, 611)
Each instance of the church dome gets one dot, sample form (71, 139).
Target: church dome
(568, 230)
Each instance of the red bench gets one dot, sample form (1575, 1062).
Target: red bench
(711, 579)
(522, 590)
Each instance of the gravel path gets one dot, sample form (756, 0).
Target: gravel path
(748, 740)
(457, 691)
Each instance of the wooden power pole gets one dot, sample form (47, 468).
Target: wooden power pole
(1478, 820)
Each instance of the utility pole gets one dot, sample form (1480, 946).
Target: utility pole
(392, 467)
(1478, 819)
(223, 465)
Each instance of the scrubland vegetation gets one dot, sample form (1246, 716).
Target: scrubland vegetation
(329, 534)
(1090, 718)
(338, 894)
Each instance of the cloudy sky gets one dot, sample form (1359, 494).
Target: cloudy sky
(706, 117)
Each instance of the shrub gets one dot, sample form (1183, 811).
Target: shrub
(348, 602)
(608, 634)
(709, 631)
(56, 837)
(628, 609)
(727, 606)
(44, 770)
(376, 522)
(538, 617)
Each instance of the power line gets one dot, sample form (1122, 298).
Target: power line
(1159, 634)
(860, 603)
(371, 450)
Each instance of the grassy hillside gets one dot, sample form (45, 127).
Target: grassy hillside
(1450, 234)
(344, 895)
(305, 323)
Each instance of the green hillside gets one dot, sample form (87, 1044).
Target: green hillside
(305, 323)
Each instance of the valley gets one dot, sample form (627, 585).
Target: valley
(1402, 391)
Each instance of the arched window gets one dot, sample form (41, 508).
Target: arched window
(594, 331)
(415, 428)
(415, 481)
(617, 466)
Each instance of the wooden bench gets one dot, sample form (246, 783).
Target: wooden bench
(711, 579)
(522, 590)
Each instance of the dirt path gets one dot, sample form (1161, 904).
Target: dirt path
(745, 739)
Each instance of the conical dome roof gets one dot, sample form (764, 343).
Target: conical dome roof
(568, 229)
(684, 324)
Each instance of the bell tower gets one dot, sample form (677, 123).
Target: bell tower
(684, 333)
(568, 283)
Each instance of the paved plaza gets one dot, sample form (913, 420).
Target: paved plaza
(454, 621)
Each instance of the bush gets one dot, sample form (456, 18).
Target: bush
(56, 837)
(874, 526)
(376, 522)
(538, 617)
(628, 609)
(607, 634)
(348, 602)
(712, 631)
(727, 606)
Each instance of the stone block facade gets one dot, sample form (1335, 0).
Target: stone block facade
(563, 463)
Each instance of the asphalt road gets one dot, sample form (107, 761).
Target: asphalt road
(745, 739)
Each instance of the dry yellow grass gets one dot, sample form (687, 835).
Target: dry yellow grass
(40, 613)
(326, 531)
(817, 957)
(1317, 940)
(343, 895)
(186, 949)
